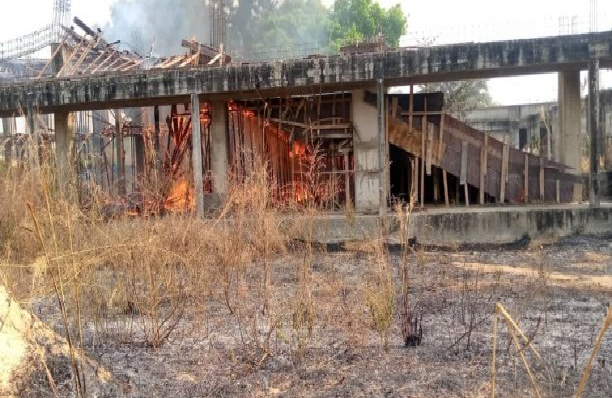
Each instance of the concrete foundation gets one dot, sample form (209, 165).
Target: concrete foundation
(493, 226)
(366, 142)
(219, 149)
(569, 145)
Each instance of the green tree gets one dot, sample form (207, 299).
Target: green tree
(292, 22)
(461, 97)
(354, 20)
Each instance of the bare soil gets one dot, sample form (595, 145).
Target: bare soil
(558, 293)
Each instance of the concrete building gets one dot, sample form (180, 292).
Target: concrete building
(528, 124)
(295, 100)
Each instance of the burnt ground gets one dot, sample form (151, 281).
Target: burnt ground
(327, 347)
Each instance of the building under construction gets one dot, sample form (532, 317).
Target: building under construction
(173, 133)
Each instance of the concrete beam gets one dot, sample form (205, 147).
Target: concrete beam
(401, 67)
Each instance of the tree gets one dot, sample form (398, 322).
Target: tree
(253, 25)
(461, 97)
(354, 20)
(243, 17)
(292, 22)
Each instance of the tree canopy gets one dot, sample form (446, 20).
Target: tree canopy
(355, 20)
(463, 96)
(291, 22)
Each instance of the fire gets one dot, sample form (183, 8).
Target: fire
(181, 197)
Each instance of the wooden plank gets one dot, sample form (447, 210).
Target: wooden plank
(411, 108)
(464, 163)
(483, 168)
(441, 141)
(504, 171)
(394, 102)
(541, 158)
(445, 182)
(430, 136)
(423, 127)
(417, 194)
(420, 113)
(436, 186)
(526, 178)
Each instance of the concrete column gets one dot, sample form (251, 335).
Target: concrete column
(568, 149)
(156, 138)
(35, 150)
(366, 141)
(219, 149)
(382, 146)
(64, 144)
(8, 146)
(196, 138)
(594, 132)
(555, 126)
(120, 153)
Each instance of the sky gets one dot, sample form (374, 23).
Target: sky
(445, 20)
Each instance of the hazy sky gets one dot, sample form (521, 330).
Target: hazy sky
(449, 20)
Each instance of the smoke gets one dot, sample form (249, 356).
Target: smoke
(161, 24)
(252, 24)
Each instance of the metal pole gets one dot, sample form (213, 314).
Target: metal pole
(381, 147)
(196, 136)
(594, 131)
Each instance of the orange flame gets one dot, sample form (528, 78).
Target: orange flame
(181, 197)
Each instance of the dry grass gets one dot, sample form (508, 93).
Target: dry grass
(249, 274)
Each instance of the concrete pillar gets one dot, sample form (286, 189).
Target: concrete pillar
(156, 138)
(8, 141)
(196, 137)
(555, 126)
(120, 153)
(64, 145)
(594, 132)
(366, 141)
(35, 150)
(568, 148)
(382, 145)
(219, 149)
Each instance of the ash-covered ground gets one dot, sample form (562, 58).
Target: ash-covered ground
(317, 337)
